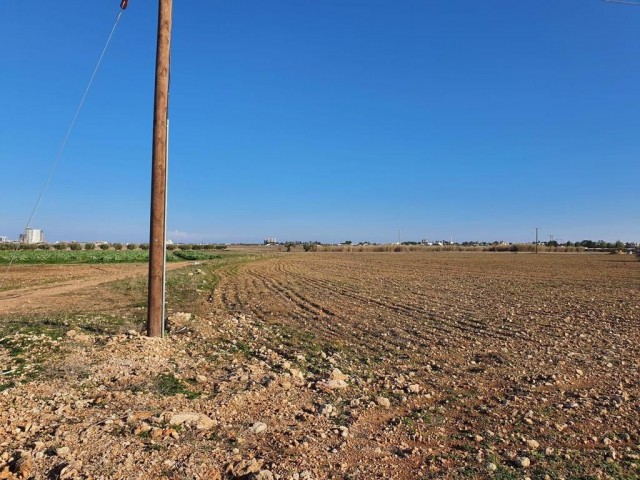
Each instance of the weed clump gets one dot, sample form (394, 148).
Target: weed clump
(168, 385)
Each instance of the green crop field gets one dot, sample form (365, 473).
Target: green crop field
(81, 256)
(97, 256)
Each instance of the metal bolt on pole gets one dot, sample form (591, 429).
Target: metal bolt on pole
(157, 238)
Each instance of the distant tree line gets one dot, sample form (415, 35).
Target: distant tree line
(105, 246)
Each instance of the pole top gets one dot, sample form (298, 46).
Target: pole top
(123, 4)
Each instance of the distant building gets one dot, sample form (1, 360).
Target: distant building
(268, 241)
(4, 239)
(32, 235)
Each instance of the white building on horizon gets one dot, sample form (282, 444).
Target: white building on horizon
(32, 235)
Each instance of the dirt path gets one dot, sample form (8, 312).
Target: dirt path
(45, 288)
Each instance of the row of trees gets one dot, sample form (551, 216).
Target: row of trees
(619, 245)
(105, 246)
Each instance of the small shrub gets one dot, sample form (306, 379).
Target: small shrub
(89, 246)
(171, 247)
(310, 247)
(118, 246)
(104, 246)
(75, 246)
(60, 246)
(131, 246)
(144, 246)
(220, 247)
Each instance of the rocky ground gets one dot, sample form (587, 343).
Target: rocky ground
(318, 366)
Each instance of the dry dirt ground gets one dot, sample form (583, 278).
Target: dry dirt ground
(330, 365)
(28, 289)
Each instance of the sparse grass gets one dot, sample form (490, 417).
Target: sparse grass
(168, 385)
(7, 385)
(242, 347)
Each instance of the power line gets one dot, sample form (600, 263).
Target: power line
(56, 159)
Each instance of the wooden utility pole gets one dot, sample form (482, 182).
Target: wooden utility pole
(537, 228)
(157, 239)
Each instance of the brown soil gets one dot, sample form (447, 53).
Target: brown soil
(48, 288)
(341, 365)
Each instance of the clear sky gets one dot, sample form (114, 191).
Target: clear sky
(328, 120)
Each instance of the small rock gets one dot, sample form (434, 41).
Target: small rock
(336, 374)
(326, 410)
(332, 385)
(532, 444)
(205, 423)
(415, 388)
(186, 417)
(524, 462)
(63, 452)
(492, 467)
(137, 416)
(264, 475)
(71, 333)
(258, 427)
(199, 420)
(383, 402)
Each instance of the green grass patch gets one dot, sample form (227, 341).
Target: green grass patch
(241, 347)
(56, 326)
(168, 385)
(7, 385)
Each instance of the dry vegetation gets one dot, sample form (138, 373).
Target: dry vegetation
(333, 365)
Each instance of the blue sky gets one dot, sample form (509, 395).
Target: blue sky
(331, 120)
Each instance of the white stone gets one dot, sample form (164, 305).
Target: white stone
(258, 427)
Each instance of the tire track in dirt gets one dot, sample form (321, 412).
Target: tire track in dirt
(19, 300)
(433, 318)
(309, 313)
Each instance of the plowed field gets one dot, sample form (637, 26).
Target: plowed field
(313, 366)
(514, 348)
